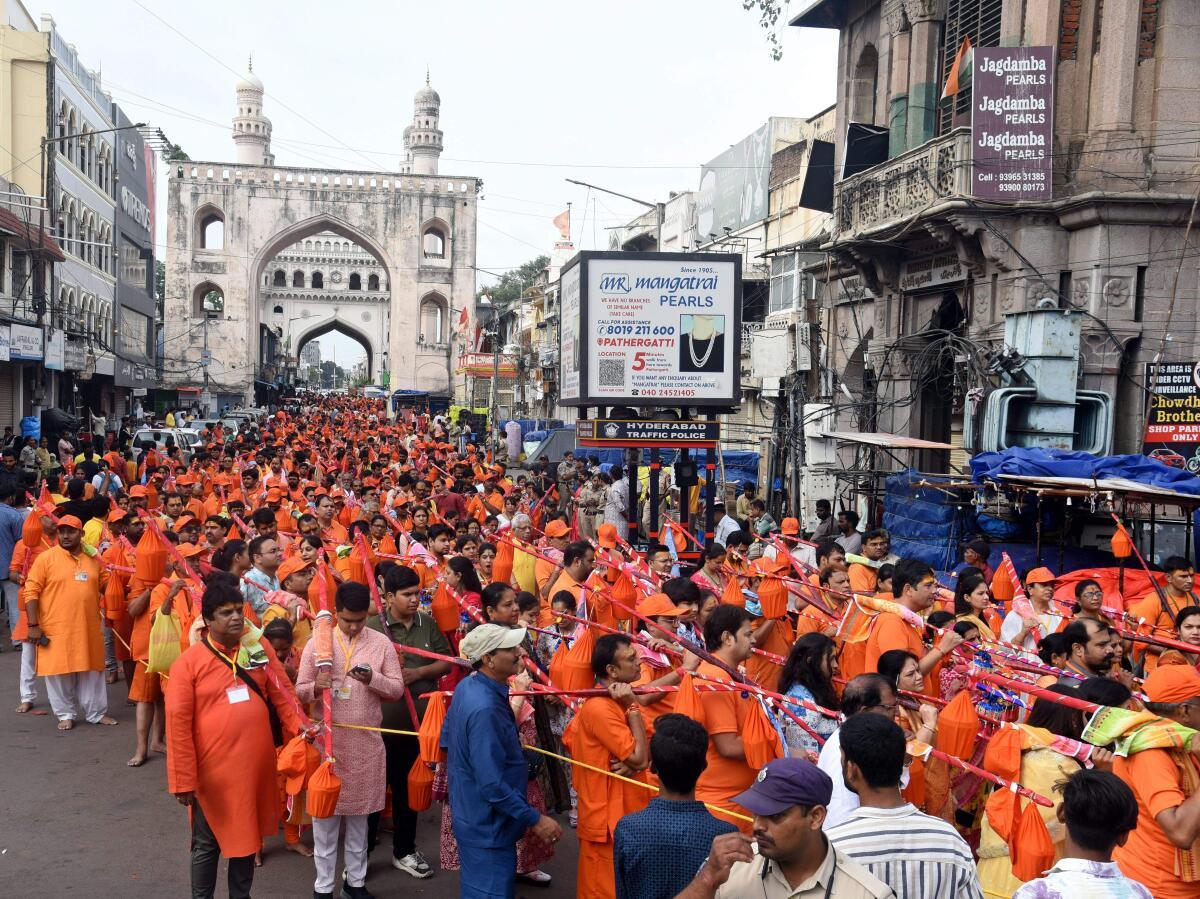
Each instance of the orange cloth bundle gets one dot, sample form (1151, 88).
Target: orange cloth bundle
(420, 786)
(958, 727)
(323, 789)
(760, 740)
(430, 732)
(1031, 848)
(571, 668)
(732, 595)
(625, 593)
(687, 699)
(502, 565)
(150, 560)
(773, 597)
(445, 609)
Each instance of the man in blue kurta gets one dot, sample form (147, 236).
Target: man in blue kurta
(487, 772)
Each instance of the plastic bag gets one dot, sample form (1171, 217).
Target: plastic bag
(164, 643)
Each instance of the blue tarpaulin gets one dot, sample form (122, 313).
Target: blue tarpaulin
(925, 523)
(1034, 462)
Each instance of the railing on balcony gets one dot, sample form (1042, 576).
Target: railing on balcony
(896, 189)
(749, 329)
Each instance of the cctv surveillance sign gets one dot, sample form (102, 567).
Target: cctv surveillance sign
(652, 329)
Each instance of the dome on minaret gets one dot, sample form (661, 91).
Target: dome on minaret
(427, 98)
(251, 128)
(250, 81)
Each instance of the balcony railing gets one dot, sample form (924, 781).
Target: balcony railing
(894, 190)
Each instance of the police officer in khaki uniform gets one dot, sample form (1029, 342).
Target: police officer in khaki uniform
(788, 857)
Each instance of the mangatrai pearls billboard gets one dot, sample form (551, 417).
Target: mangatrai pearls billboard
(659, 329)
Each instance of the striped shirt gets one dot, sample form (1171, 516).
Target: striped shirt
(917, 855)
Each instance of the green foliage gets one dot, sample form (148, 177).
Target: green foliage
(175, 153)
(769, 12)
(160, 280)
(511, 283)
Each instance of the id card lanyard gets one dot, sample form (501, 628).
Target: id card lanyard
(238, 692)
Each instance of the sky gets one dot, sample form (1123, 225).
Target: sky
(626, 94)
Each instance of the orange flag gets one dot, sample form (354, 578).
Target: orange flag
(962, 61)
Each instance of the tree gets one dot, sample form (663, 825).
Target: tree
(511, 283)
(175, 153)
(768, 17)
(160, 282)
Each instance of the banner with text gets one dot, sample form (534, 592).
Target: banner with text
(1173, 423)
(653, 329)
(1012, 123)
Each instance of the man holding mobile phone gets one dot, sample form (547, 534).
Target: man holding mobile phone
(364, 674)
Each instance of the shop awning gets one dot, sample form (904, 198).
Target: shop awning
(1119, 486)
(11, 223)
(188, 390)
(891, 441)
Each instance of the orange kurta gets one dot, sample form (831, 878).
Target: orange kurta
(1148, 856)
(599, 735)
(725, 712)
(223, 751)
(67, 588)
(890, 631)
(863, 578)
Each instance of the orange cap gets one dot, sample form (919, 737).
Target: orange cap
(273, 494)
(1172, 683)
(557, 528)
(70, 521)
(290, 566)
(189, 550)
(657, 604)
(137, 490)
(606, 535)
(1041, 575)
(790, 526)
(117, 514)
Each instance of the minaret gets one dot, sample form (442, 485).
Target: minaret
(423, 139)
(252, 129)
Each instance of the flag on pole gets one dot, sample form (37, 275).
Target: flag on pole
(563, 223)
(464, 319)
(961, 67)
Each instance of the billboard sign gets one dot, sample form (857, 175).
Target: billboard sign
(1012, 123)
(654, 329)
(733, 187)
(1173, 423)
(568, 343)
(25, 343)
(623, 433)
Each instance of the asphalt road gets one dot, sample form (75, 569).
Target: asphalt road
(76, 821)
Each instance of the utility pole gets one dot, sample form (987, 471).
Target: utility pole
(660, 209)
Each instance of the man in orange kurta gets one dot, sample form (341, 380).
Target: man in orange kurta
(607, 731)
(914, 587)
(22, 560)
(1158, 614)
(725, 712)
(146, 689)
(62, 607)
(220, 751)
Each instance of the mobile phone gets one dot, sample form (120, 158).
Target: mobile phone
(361, 669)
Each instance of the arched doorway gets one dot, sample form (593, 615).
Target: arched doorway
(334, 326)
(322, 295)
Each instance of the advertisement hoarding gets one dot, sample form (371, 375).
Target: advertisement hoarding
(1173, 423)
(622, 433)
(654, 329)
(25, 343)
(568, 344)
(733, 187)
(1012, 123)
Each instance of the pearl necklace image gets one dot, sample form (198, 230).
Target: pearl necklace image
(702, 360)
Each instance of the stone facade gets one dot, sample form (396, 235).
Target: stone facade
(228, 223)
(1108, 245)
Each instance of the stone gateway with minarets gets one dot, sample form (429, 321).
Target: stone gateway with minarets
(262, 259)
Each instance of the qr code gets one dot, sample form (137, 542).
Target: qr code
(612, 372)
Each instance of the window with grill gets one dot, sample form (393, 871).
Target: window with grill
(980, 21)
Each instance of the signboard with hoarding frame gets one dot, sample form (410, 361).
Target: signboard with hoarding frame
(1012, 123)
(25, 343)
(653, 329)
(1173, 418)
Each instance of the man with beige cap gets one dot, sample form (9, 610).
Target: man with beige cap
(487, 771)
